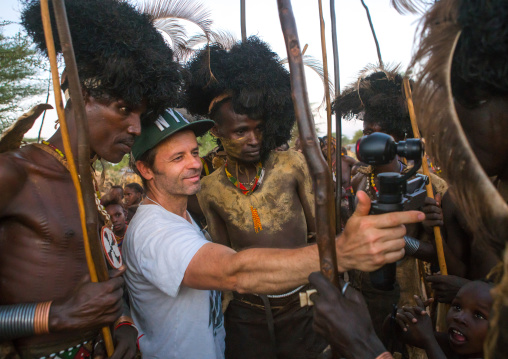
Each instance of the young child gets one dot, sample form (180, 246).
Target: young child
(467, 320)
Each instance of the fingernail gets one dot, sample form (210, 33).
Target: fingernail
(421, 216)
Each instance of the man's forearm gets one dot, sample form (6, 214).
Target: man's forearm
(272, 271)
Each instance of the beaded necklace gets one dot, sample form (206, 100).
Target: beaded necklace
(260, 172)
(60, 156)
(373, 184)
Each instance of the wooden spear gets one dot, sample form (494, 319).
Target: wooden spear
(327, 88)
(442, 309)
(84, 189)
(325, 207)
(426, 172)
(338, 122)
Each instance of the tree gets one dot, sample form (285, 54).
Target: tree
(19, 67)
(357, 136)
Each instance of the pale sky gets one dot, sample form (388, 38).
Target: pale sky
(356, 46)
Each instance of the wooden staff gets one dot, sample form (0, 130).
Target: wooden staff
(243, 21)
(325, 207)
(426, 172)
(84, 190)
(338, 122)
(327, 88)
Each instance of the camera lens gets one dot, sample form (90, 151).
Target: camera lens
(412, 149)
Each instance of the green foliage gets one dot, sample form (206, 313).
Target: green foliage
(357, 135)
(206, 144)
(19, 67)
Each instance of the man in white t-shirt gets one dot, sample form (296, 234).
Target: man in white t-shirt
(173, 271)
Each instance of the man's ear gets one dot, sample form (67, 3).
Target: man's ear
(215, 131)
(144, 170)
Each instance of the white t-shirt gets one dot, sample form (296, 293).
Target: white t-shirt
(177, 321)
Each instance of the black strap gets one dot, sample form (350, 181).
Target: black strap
(270, 323)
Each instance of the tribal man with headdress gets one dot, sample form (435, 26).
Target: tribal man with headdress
(259, 198)
(462, 103)
(48, 306)
(377, 98)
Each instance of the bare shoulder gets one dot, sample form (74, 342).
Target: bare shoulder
(13, 175)
(212, 182)
(290, 159)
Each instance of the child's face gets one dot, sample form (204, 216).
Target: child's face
(468, 318)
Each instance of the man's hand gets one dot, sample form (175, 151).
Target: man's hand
(92, 305)
(433, 213)
(344, 320)
(446, 287)
(369, 242)
(125, 338)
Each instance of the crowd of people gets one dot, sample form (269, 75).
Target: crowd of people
(215, 251)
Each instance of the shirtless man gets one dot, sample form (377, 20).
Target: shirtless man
(260, 198)
(377, 97)
(469, 100)
(42, 256)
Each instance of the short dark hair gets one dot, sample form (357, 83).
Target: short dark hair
(135, 186)
(148, 158)
(112, 201)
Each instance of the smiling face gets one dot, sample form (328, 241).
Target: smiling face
(113, 125)
(177, 167)
(240, 135)
(468, 318)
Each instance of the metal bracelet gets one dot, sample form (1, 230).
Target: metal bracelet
(17, 321)
(412, 245)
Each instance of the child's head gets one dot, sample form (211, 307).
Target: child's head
(468, 318)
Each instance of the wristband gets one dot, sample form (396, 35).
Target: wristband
(123, 319)
(24, 320)
(41, 318)
(126, 323)
(385, 355)
(411, 246)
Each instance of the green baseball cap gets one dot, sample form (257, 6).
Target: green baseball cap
(170, 122)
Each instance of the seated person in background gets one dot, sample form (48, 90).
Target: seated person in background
(117, 213)
(467, 321)
(133, 195)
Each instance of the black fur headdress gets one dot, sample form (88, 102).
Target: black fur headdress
(251, 75)
(380, 94)
(119, 53)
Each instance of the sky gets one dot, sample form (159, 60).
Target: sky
(356, 46)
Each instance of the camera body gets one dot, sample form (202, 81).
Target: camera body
(396, 192)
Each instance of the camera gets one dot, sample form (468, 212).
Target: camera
(396, 192)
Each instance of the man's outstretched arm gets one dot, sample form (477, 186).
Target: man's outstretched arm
(367, 243)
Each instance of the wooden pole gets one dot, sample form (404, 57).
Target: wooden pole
(320, 172)
(426, 172)
(327, 88)
(243, 20)
(338, 122)
(84, 189)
